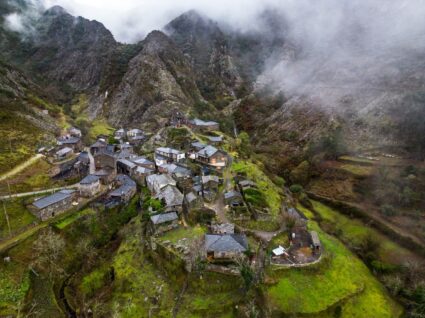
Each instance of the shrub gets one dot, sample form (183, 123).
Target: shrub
(296, 188)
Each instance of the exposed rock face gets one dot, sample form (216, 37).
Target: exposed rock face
(71, 50)
(159, 78)
(202, 41)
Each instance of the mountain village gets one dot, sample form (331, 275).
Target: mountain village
(190, 190)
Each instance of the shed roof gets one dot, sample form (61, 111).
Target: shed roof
(315, 238)
(164, 218)
(52, 199)
(226, 243)
(90, 179)
(64, 151)
(208, 151)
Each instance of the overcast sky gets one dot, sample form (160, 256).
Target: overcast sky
(130, 20)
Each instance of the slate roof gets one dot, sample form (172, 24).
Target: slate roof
(294, 213)
(315, 238)
(247, 183)
(68, 140)
(170, 167)
(164, 218)
(141, 161)
(125, 180)
(143, 170)
(190, 197)
(64, 151)
(182, 172)
(169, 150)
(52, 199)
(98, 144)
(127, 163)
(160, 180)
(206, 179)
(90, 179)
(198, 145)
(232, 194)
(208, 151)
(171, 195)
(226, 243)
(122, 190)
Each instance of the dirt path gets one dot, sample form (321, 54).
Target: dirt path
(27, 194)
(92, 168)
(21, 167)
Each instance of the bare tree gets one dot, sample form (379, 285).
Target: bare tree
(49, 248)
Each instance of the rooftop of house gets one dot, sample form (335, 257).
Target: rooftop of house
(90, 179)
(53, 198)
(125, 180)
(232, 194)
(68, 140)
(247, 183)
(294, 213)
(226, 243)
(198, 145)
(99, 144)
(171, 195)
(161, 180)
(190, 197)
(278, 251)
(141, 161)
(315, 238)
(143, 170)
(64, 151)
(168, 150)
(122, 190)
(127, 163)
(206, 179)
(208, 151)
(170, 167)
(164, 218)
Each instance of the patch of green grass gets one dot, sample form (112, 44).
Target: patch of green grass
(12, 289)
(268, 226)
(189, 232)
(356, 170)
(271, 192)
(354, 233)
(341, 277)
(19, 216)
(211, 295)
(356, 160)
(72, 218)
(281, 239)
(139, 285)
(18, 139)
(100, 127)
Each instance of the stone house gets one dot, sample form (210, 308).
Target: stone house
(143, 162)
(126, 189)
(126, 167)
(164, 222)
(75, 132)
(201, 125)
(89, 186)
(141, 173)
(192, 201)
(233, 198)
(64, 153)
(172, 197)
(212, 157)
(98, 147)
(225, 246)
(70, 142)
(53, 205)
(156, 182)
(173, 155)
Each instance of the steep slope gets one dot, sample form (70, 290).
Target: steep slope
(158, 79)
(23, 124)
(206, 46)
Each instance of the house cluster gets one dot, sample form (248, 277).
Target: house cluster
(134, 136)
(68, 145)
(304, 246)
